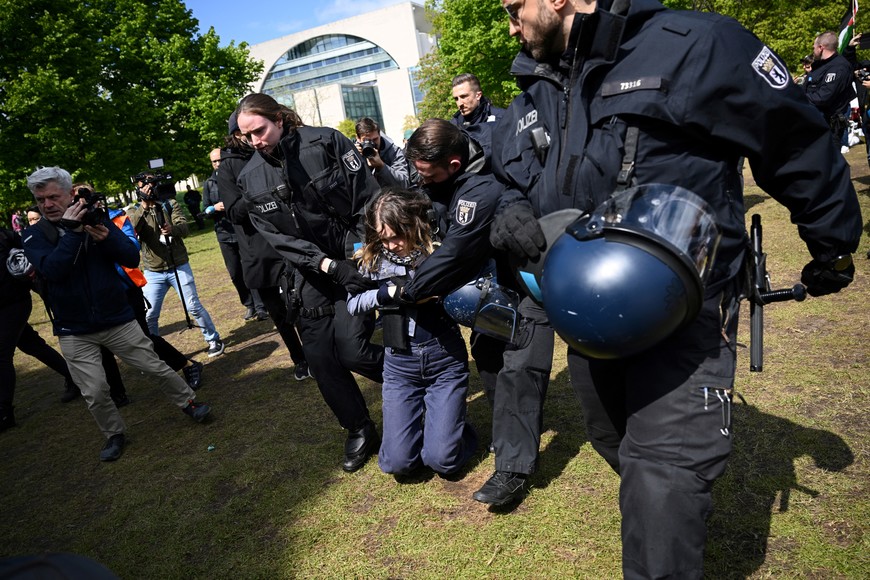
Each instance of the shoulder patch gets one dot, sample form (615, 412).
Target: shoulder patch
(465, 212)
(351, 161)
(768, 66)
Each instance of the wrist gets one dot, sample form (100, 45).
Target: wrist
(331, 267)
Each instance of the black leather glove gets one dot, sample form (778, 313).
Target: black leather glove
(345, 273)
(516, 230)
(823, 278)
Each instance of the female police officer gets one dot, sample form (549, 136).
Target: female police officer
(307, 188)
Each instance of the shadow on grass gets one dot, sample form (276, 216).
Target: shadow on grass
(759, 480)
(564, 435)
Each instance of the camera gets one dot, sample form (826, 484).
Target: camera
(368, 148)
(95, 203)
(157, 181)
(862, 74)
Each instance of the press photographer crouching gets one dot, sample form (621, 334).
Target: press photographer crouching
(75, 249)
(161, 225)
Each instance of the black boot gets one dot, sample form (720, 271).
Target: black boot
(360, 445)
(7, 418)
(70, 392)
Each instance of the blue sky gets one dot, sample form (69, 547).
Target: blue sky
(255, 21)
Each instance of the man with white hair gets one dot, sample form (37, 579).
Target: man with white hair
(75, 249)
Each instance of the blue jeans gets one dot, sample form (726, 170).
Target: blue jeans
(155, 291)
(430, 379)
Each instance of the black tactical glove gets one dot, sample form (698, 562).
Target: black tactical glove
(345, 273)
(517, 231)
(823, 278)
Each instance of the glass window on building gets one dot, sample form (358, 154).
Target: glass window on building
(362, 101)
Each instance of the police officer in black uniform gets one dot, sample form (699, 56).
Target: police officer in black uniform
(307, 188)
(829, 83)
(264, 271)
(453, 165)
(630, 93)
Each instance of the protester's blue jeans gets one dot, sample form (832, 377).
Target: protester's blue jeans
(429, 380)
(155, 291)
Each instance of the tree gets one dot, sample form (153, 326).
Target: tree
(103, 86)
(473, 37)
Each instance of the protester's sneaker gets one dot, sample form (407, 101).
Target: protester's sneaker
(302, 372)
(70, 392)
(196, 411)
(193, 374)
(844, 149)
(215, 347)
(250, 313)
(502, 488)
(113, 448)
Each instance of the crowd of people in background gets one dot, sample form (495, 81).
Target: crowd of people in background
(330, 237)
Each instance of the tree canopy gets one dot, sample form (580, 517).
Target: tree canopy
(103, 86)
(474, 38)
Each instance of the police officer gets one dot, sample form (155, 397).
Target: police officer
(307, 188)
(640, 91)
(474, 108)
(454, 170)
(263, 269)
(829, 84)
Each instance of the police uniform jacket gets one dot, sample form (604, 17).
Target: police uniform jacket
(829, 85)
(223, 228)
(261, 264)
(81, 287)
(465, 206)
(310, 204)
(709, 94)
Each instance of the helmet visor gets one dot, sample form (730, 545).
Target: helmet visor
(667, 214)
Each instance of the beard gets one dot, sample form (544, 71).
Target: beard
(545, 40)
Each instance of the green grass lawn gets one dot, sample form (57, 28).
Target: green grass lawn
(258, 491)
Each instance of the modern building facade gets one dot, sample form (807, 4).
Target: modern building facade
(357, 67)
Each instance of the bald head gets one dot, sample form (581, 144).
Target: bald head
(215, 158)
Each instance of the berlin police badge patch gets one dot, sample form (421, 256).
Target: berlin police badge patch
(770, 68)
(465, 212)
(351, 161)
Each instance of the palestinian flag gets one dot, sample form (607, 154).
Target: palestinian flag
(847, 25)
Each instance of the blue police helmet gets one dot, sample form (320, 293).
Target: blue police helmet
(527, 271)
(631, 273)
(485, 306)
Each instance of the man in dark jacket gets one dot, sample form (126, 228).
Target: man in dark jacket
(307, 188)
(213, 207)
(829, 84)
(474, 108)
(617, 96)
(88, 303)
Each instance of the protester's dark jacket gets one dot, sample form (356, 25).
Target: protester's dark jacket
(710, 93)
(314, 208)
(485, 112)
(829, 85)
(261, 264)
(223, 227)
(465, 205)
(82, 289)
(12, 290)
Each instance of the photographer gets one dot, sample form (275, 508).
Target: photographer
(75, 249)
(161, 226)
(384, 157)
